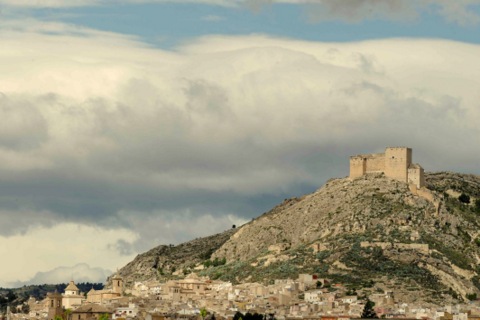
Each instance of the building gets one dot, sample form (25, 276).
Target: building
(91, 311)
(395, 163)
(71, 297)
(54, 300)
(99, 296)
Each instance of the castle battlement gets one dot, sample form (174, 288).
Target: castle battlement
(395, 163)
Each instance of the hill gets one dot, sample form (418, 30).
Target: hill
(165, 262)
(368, 231)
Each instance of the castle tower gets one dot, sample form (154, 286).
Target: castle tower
(54, 305)
(397, 161)
(357, 166)
(117, 284)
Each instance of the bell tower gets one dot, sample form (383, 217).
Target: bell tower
(54, 305)
(117, 284)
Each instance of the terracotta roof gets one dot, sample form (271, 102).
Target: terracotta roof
(92, 307)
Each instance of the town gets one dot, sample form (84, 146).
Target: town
(194, 297)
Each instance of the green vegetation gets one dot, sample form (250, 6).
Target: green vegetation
(472, 296)
(203, 313)
(368, 312)
(463, 198)
(249, 316)
(215, 263)
(102, 317)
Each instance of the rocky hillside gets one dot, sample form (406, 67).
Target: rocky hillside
(165, 262)
(369, 230)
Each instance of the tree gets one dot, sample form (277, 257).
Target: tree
(238, 316)
(66, 314)
(472, 296)
(463, 198)
(368, 312)
(103, 316)
(25, 308)
(203, 313)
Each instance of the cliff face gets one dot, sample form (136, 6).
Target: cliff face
(355, 232)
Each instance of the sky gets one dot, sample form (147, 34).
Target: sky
(128, 124)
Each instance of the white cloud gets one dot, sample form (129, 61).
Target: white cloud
(33, 255)
(223, 112)
(213, 18)
(92, 118)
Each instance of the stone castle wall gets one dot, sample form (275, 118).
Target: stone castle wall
(375, 163)
(395, 163)
(416, 176)
(357, 167)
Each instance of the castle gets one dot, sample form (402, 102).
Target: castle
(395, 163)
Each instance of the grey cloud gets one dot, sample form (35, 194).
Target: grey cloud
(358, 10)
(15, 220)
(227, 136)
(22, 126)
(123, 247)
(257, 5)
(207, 99)
(354, 11)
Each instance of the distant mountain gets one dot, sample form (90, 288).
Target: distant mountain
(372, 232)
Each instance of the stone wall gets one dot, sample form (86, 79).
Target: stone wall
(375, 163)
(357, 167)
(397, 161)
(420, 247)
(416, 176)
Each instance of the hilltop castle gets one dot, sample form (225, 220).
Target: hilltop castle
(395, 163)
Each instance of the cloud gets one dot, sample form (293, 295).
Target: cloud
(460, 12)
(81, 272)
(34, 256)
(213, 18)
(172, 227)
(106, 153)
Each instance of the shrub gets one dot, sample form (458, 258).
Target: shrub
(472, 296)
(463, 198)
